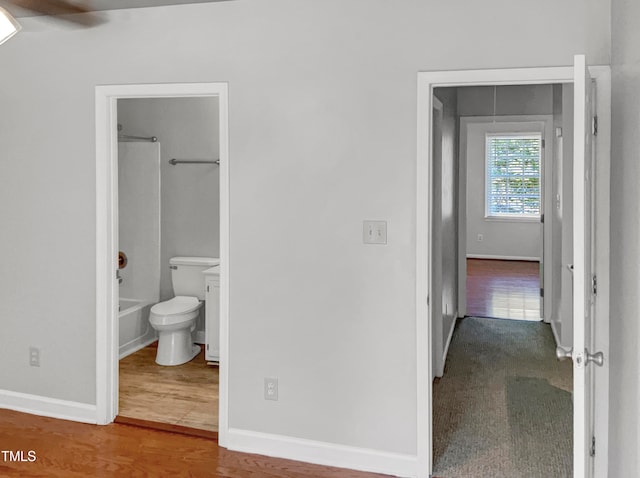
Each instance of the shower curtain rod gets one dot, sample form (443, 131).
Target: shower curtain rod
(175, 161)
(121, 135)
(152, 139)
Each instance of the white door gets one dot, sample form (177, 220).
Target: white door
(584, 357)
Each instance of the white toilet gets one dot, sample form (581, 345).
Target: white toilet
(175, 319)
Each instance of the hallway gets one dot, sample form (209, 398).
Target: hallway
(503, 407)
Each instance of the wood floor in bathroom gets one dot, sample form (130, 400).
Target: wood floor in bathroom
(177, 398)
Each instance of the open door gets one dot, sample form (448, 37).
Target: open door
(584, 357)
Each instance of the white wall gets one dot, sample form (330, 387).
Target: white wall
(501, 238)
(186, 128)
(625, 240)
(311, 156)
(507, 99)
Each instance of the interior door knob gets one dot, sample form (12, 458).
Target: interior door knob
(563, 353)
(597, 358)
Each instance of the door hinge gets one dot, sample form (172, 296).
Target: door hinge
(594, 125)
(543, 143)
(541, 291)
(592, 451)
(207, 347)
(594, 283)
(542, 218)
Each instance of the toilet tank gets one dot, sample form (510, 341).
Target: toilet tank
(187, 277)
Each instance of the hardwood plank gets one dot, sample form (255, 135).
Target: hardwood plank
(503, 289)
(185, 395)
(67, 449)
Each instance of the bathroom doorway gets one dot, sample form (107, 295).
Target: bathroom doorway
(168, 206)
(163, 206)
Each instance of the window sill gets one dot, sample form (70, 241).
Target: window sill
(512, 219)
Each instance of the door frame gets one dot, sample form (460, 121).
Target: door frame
(427, 81)
(106, 98)
(548, 159)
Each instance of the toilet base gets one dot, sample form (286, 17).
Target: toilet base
(176, 347)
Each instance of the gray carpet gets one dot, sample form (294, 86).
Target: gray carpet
(503, 407)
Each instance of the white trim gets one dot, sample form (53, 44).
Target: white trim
(445, 352)
(538, 136)
(602, 75)
(427, 81)
(48, 407)
(106, 237)
(503, 258)
(424, 379)
(556, 336)
(322, 453)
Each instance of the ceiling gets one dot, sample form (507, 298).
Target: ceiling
(101, 5)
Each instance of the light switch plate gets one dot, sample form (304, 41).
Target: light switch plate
(374, 232)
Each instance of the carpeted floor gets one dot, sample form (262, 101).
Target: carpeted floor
(503, 407)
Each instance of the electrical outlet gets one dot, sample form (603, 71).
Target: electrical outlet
(480, 238)
(270, 388)
(34, 356)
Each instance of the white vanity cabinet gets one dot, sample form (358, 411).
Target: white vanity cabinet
(212, 314)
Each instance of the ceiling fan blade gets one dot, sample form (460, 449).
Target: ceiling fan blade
(60, 8)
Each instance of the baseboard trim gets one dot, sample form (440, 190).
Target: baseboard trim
(503, 258)
(449, 337)
(555, 333)
(322, 453)
(48, 407)
(556, 336)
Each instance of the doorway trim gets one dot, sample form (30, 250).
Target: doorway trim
(427, 81)
(106, 98)
(548, 159)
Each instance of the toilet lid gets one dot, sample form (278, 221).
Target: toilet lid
(177, 305)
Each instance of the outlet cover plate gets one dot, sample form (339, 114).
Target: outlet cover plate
(271, 388)
(34, 356)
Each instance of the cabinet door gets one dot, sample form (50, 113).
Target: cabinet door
(212, 320)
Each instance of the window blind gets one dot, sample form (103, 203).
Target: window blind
(513, 175)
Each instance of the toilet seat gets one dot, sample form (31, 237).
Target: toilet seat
(173, 311)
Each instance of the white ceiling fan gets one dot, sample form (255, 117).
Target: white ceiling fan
(80, 12)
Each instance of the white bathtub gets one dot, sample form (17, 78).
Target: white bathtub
(135, 330)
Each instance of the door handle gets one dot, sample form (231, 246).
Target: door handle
(597, 358)
(563, 354)
(570, 267)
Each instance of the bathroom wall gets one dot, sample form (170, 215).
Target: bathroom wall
(186, 128)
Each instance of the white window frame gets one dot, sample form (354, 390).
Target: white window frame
(487, 193)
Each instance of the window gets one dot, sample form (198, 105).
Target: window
(513, 175)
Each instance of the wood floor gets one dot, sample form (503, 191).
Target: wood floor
(503, 289)
(179, 396)
(65, 449)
